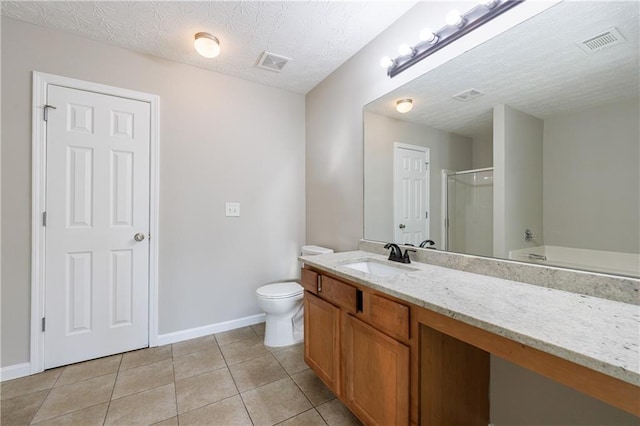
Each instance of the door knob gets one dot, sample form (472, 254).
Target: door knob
(402, 226)
(139, 236)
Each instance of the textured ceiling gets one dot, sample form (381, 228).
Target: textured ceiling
(535, 67)
(318, 35)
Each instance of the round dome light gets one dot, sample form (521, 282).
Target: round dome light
(404, 105)
(207, 45)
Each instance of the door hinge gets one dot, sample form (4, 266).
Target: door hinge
(426, 166)
(45, 111)
(426, 215)
(44, 218)
(43, 323)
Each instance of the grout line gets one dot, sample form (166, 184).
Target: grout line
(175, 386)
(70, 412)
(106, 413)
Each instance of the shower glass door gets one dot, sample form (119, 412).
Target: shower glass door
(470, 212)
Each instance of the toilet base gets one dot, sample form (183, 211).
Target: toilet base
(279, 332)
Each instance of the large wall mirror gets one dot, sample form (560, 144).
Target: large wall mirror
(526, 147)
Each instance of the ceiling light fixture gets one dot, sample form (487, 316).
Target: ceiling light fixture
(404, 105)
(207, 45)
(458, 24)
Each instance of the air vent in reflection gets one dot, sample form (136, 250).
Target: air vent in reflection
(605, 39)
(468, 95)
(272, 62)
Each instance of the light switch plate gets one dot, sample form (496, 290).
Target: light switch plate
(232, 209)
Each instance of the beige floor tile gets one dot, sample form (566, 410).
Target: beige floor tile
(259, 329)
(292, 359)
(257, 372)
(20, 410)
(227, 412)
(173, 421)
(312, 387)
(236, 335)
(145, 356)
(335, 413)
(275, 402)
(244, 350)
(198, 391)
(29, 384)
(76, 396)
(143, 378)
(88, 369)
(204, 343)
(91, 416)
(143, 408)
(308, 418)
(197, 362)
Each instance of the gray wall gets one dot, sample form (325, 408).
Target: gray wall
(591, 178)
(517, 161)
(334, 186)
(221, 139)
(447, 151)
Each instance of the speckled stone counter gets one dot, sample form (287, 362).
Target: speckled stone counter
(601, 334)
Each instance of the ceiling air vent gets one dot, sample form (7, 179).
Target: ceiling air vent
(468, 95)
(272, 62)
(605, 39)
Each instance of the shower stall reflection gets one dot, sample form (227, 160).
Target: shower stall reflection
(468, 211)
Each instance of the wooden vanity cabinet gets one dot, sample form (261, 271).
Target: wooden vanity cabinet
(376, 372)
(357, 342)
(322, 340)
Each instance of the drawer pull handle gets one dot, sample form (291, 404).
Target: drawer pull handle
(359, 307)
(319, 283)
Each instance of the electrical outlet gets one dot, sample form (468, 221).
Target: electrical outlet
(232, 209)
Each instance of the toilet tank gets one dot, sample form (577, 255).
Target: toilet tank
(311, 250)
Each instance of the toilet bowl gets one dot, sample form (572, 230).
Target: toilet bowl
(282, 304)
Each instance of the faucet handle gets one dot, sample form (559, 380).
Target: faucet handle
(405, 257)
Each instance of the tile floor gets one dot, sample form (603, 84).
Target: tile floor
(228, 378)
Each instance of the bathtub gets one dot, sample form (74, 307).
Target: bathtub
(608, 262)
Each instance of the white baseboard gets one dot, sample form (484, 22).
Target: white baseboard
(15, 371)
(205, 330)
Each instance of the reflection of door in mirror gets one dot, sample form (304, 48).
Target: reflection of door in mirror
(411, 193)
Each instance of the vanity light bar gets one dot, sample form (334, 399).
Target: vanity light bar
(484, 12)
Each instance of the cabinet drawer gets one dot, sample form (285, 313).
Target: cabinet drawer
(338, 293)
(387, 315)
(309, 280)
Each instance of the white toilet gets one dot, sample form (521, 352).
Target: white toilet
(282, 304)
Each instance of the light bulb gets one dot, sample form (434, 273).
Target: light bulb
(455, 19)
(386, 62)
(207, 45)
(404, 105)
(428, 35)
(405, 49)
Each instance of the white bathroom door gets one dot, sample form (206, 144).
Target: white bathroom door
(411, 194)
(97, 202)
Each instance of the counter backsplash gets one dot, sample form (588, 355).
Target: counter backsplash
(621, 289)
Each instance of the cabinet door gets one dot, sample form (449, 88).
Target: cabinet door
(321, 340)
(376, 374)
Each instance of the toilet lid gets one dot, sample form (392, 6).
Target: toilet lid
(280, 290)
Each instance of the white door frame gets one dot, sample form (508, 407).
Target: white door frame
(41, 81)
(427, 189)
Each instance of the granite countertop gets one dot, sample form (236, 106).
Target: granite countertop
(600, 334)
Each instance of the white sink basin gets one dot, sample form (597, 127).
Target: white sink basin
(377, 269)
